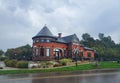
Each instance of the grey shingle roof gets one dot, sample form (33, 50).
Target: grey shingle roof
(60, 40)
(44, 32)
(70, 38)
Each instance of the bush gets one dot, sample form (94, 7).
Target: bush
(65, 61)
(14, 63)
(22, 64)
(118, 61)
(34, 66)
(3, 58)
(10, 63)
(1, 67)
(6, 61)
(57, 65)
(45, 64)
(49, 63)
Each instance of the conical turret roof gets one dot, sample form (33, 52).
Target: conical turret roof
(44, 32)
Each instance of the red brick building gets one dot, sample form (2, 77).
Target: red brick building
(46, 46)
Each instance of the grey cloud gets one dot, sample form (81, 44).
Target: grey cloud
(20, 20)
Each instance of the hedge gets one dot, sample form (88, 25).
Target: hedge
(10, 63)
(65, 61)
(14, 63)
(22, 64)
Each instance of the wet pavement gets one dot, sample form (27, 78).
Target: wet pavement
(2, 64)
(96, 76)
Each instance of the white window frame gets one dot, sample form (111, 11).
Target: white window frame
(47, 52)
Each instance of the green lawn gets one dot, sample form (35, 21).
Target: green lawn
(64, 69)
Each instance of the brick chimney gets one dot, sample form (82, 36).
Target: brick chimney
(59, 35)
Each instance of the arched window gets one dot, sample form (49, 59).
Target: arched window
(57, 53)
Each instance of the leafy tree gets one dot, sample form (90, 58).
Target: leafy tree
(86, 36)
(106, 48)
(87, 40)
(20, 53)
(1, 52)
(101, 36)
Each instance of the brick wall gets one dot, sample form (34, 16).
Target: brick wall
(53, 45)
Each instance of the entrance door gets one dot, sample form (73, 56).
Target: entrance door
(57, 53)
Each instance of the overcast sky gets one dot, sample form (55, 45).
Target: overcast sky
(20, 20)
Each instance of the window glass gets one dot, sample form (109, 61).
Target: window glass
(36, 51)
(33, 51)
(42, 51)
(37, 40)
(81, 53)
(47, 40)
(33, 41)
(47, 52)
(42, 40)
(89, 54)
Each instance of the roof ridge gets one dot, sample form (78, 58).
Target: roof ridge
(68, 36)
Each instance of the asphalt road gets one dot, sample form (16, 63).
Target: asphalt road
(98, 76)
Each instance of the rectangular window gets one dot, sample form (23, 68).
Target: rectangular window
(81, 53)
(33, 41)
(47, 40)
(41, 51)
(89, 54)
(42, 40)
(36, 51)
(47, 52)
(65, 53)
(37, 40)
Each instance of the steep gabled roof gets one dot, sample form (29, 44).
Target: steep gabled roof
(71, 38)
(44, 32)
(60, 40)
(68, 39)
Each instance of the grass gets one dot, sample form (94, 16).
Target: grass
(109, 65)
(102, 65)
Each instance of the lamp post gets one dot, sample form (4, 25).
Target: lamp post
(76, 59)
(97, 58)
